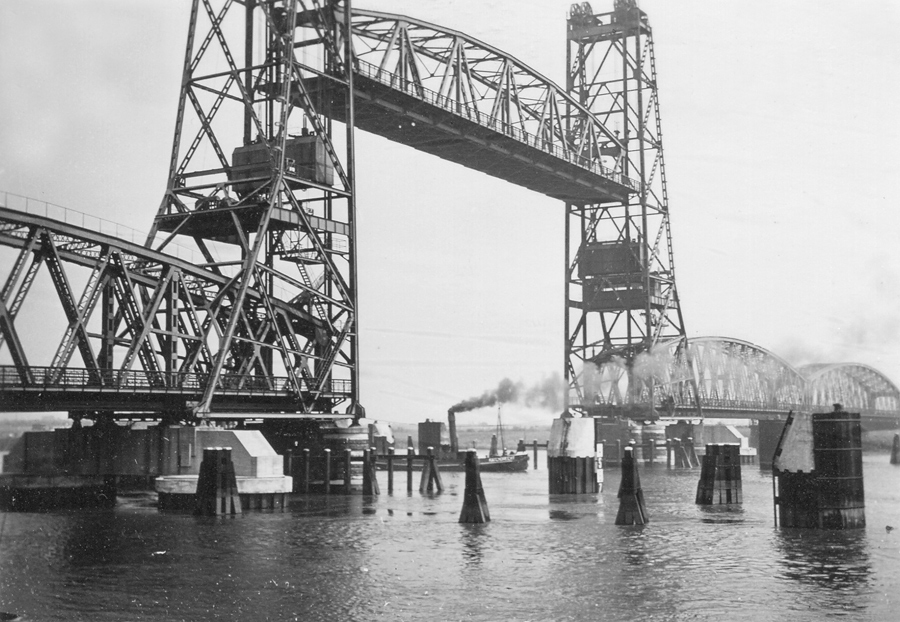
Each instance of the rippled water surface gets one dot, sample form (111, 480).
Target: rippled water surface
(405, 557)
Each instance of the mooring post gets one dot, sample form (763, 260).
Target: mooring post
(631, 498)
(390, 470)
(475, 508)
(436, 474)
(370, 483)
(327, 471)
(720, 476)
(409, 469)
(431, 476)
(895, 450)
(534, 444)
(690, 452)
(668, 453)
(373, 470)
(652, 455)
(678, 453)
(348, 461)
(305, 471)
(216, 485)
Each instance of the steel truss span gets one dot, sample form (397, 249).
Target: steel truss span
(737, 379)
(448, 94)
(139, 331)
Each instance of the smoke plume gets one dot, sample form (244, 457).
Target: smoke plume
(546, 394)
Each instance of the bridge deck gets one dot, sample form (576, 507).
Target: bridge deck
(135, 391)
(418, 117)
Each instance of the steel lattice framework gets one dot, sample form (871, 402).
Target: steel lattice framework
(622, 301)
(263, 322)
(139, 331)
(857, 387)
(468, 102)
(271, 207)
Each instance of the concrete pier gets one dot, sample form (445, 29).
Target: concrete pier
(70, 467)
(572, 457)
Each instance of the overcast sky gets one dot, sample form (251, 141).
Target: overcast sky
(781, 145)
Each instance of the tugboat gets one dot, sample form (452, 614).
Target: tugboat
(450, 458)
(497, 461)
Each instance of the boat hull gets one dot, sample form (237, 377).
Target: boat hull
(501, 464)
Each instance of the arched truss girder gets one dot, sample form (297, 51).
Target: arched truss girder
(452, 71)
(141, 328)
(859, 388)
(733, 374)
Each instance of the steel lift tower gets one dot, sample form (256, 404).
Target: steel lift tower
(623, 313)
(261, 182)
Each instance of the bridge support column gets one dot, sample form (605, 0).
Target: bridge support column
(818, 472)
(573, 457)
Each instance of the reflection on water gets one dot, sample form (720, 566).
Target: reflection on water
(405, 557)
(837, 559)
(718, 514)
(474, 539)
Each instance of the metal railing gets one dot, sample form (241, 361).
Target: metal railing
(37, 207)
(140, 381)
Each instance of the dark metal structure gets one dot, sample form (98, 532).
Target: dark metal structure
(258, 318)
(262, 182)
(622, 301)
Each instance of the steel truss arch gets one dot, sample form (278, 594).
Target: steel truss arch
(733, 374)
(483, 84)
(857, 387)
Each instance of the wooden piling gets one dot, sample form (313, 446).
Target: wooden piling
(370, 482)
(720, 476)
(534, 445)
(348, 461)
(409, 468)
(390, 470)
(895, 450)
(652, 456)
(217, 486)
(690, 454)
(631, 498)
(576, 475)
(669, 452)
(305, 471)
(431, 476)
(475, 508)
(327, 471)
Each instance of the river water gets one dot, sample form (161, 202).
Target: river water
(405, 557)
